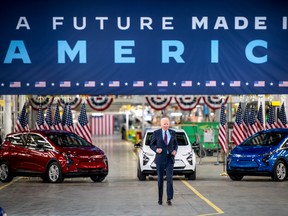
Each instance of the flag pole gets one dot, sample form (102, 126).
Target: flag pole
(224, 173)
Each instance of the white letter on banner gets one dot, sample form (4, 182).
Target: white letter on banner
(221, 23)
(166, 53)
(284, 23)
(123, 27)
(119, 51)
(249, 51)
(214, 51)
(17, 50)
(57, 21)
(244, 21)
(260, 23)
(101, 19)
(79, 27)
(22, 22)
(80, 47)
(203, 22)
(166, 22)
(147, 24)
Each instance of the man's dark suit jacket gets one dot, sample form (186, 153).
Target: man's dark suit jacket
(157, 141)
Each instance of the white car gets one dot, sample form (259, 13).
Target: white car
(185, 160)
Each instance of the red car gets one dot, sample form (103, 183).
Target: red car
(52, 155)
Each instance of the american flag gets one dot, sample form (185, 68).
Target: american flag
(65, 84)
(64, 116)
(22, 121)
(102, 125)
(238, 135)
(187, 83)
(15, 84)
(283, 83)
(40, 84)
(246, 122)
(235, 83)
(138, 83)
(57, 119)
(210, 83)
(222, 135)
(259, 83)
(89, 84)
(114, 84)
(259, 120)
(39, 124)
(69, 120)
(162, 83)
(82, 127)
(282, 119)
(48, 119)
(252, 122)
(271, 118)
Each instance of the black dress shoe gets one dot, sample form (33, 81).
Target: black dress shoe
(160, 202)
(169, 202)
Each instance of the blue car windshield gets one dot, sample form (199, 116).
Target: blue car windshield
(264, 139)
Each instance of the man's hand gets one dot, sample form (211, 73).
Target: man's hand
(159, 150)
(173, 153)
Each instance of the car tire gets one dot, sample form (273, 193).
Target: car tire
(97, 178)
(191, 176)
(140, 175)
(54, 173)
(236, 177)
(5, 173)
(279, 171)
(201, 153)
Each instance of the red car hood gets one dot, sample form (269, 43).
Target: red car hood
(83, 151)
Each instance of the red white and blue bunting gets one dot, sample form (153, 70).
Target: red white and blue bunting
(159, 103)
(99, 103)
(73, 101)
(187, 103)
(215, 102)
(40, 100)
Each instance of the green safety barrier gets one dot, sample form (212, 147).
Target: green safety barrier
(206, 131)
(134, 135)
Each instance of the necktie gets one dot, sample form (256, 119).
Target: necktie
(165, 137)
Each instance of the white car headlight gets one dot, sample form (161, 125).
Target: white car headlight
(189, 153)
(148, 154)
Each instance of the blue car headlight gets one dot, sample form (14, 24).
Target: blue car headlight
(266, 157)
(232, 156)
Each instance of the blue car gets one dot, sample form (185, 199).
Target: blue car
(263, 154)
(2, 212)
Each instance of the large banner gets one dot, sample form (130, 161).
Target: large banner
(149, 47)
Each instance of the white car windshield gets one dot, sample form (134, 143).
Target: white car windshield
(180, 136)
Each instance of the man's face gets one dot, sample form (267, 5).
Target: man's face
(165, 124)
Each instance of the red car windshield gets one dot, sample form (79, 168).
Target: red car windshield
(67, 140)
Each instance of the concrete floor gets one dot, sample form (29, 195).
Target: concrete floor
(122, 194)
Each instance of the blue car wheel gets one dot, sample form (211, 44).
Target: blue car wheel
(236, 177)
(280, 171)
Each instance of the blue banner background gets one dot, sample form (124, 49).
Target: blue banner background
(41, 43)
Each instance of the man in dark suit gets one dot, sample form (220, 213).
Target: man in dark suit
(165, 145)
